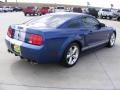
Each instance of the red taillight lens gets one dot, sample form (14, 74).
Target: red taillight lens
(10, 32)
(35, 39)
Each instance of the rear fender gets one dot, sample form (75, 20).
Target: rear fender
(67, 43)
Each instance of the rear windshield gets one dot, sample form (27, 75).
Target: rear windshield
(48, 21)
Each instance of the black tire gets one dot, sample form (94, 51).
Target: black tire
(21, 57)
(101, 17)
(25, 14)
(96, 16)
(110, 17)
(34, 14)
(110, 44)
(118, 18)
(39, 14)
(105, 17)
(65, 62)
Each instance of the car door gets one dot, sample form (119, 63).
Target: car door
(93, 34)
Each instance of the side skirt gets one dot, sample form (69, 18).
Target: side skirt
(95, 45)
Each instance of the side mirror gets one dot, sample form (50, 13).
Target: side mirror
(101, 25)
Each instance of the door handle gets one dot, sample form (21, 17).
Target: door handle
(91, 32)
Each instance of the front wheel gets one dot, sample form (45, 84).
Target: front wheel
(101, 17)
(112, 40)
(71, 55)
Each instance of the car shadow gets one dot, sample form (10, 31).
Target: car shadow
(22, 64)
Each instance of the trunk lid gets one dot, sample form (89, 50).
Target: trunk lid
(22, 32)
(19, 32)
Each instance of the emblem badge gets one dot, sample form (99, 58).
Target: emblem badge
(19, 35)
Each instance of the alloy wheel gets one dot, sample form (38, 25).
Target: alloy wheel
(112, 39)
(72, 55)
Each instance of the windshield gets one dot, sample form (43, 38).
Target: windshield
(107, 10)
(60, 7)
(45, 7)
(49, 21)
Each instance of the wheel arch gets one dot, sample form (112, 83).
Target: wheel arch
(78, 42)
(115, 33)
(61, 53)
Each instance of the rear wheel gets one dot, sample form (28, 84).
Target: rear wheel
(111, 40)
(71, 55)
(34, 14)
(39, 14)
(110, 17)
(25, 14)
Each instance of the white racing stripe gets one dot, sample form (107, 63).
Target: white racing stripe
(13, 41)
(20, 32)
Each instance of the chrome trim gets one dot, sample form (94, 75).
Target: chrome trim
(94, 45)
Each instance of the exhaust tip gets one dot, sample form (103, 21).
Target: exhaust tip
(22, 57)
(16, 55)
(9, 51)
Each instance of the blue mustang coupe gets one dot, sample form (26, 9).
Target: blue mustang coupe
(58, 37)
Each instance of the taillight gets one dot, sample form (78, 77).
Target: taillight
(10, 32)
(35, 39)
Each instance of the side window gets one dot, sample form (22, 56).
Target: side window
(73, 24)
(89, 22)
(106, 10)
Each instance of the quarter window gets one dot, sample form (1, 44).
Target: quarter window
(107, 10)
(74, 24)
(89, 22)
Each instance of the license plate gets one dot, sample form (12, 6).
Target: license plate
(16, 48)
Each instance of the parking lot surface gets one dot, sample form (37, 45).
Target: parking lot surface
(96, 70)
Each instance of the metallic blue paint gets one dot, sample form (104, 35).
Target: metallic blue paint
(56, 40)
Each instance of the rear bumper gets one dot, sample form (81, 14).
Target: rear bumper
(28, 51)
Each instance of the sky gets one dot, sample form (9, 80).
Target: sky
(96, 3)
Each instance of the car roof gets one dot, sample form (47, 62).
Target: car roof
(72, 14)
